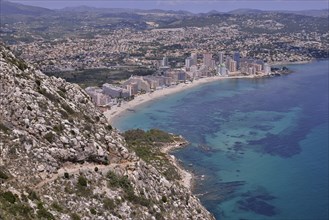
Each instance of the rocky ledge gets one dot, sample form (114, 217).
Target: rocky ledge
(60, 159)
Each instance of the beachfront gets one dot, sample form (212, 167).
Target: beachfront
(117, 111)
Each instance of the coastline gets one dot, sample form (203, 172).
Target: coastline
(187, 178)
(116, 112)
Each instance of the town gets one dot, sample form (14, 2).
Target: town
(194, 69)
(116, 56)
(129, 48)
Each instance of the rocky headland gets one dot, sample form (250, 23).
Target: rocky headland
(60, 159)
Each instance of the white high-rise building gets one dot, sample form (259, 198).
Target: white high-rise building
(232, 66)
(221, 58)
(267, 68)
(207, 60)
(194, 57)
(236, 58)
(188, 62)
(222, 70)
(164, 61)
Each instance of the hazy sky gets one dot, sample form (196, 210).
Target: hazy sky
(193, 6)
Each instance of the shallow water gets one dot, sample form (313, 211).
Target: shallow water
(262, 144)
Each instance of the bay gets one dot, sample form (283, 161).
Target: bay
(258, 147)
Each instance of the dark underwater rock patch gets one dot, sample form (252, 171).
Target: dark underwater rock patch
(258, 206)
(257, 201)
(283, 146)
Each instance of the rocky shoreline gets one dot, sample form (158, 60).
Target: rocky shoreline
(187, 178)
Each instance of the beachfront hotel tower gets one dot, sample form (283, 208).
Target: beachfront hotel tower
(236, 58)
(165, 61)
(207, 60)
(221, 58)
(194, 57)
(188, 62)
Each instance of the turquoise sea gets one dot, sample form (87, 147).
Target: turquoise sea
(258, 147)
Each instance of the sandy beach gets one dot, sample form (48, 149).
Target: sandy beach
(116, 112)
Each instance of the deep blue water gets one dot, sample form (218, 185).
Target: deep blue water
(261, 144)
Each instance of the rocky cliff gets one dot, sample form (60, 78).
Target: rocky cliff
(60, 159)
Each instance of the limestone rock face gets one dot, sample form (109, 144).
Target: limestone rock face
(59, 159)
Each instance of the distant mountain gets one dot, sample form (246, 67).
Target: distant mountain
(211, 13)
(245, 11)
(81, 8)
(312, 13)
(11, 8)
(180, 12)
(84, 8)
(123, 10)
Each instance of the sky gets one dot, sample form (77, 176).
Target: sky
(192, 6)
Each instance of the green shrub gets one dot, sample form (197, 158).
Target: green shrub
(68, 190)
(131, 197)
(49, 137)
(158, 216)
(75, 216)
(42, 213)
(66, 175)
(123, 182)
(58, 128)
(143, 201)
(109, 127)
(164, 199)
(88, 119)
(32, 195)
(20, 209)
(57, 207)
(24, 198)
(171, 173)
(144, 152)
(153, 135)
(88, 127)
(81, 187)
(93, 211)
(21, 65)
(8, 196)
(109, 204)
(61, 93)
(62, 89)
(38, 82)
(3, 175)
(4, 128)
(118, 181)
(82, 181)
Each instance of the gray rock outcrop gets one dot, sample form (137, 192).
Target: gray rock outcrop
(60, 159)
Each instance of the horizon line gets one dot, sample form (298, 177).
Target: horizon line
(131, 7)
